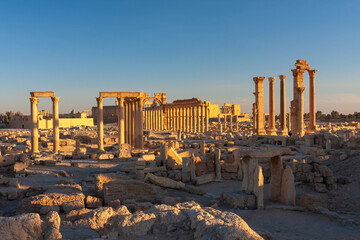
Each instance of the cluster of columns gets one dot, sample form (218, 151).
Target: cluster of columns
(258, 109)
(297, 104)
(154, 118)
(187, 119)
(130, 122)
(225, 116)
(34, 116)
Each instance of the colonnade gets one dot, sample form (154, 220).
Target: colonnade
(187, 118)
(130, 118)
(225, 116)
(154, 118)
(34, 99)
(297, 104)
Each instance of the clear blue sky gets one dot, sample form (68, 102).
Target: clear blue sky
(206, 49)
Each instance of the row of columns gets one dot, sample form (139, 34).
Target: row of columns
(297, 104)
(296, 110)
(130, 122)
(187, 119)
(225, 116)
(154, 116)
(35, 129)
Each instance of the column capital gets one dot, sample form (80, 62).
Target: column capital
(55, 99)
(296, 72)
(120, 100)
(271, 79)
(99, 100)
(312, 73)
(258, 79)
(282, 77)
(34, 100)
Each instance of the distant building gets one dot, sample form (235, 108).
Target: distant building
(45, 120)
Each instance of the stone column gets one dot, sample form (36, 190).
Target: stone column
(133, 123)
(219, 123)
(259, 102)
(231, 122)
(271, 130)
(182, 114)
(140, 117)
(56, 132)
(297, 104)
(100, 123)
(217, 164)
(161, 118)
(194, 118)
(121, 126)
(188, 119)
(283, 129)
(34, 127)
(312, 112)
(198, 116)
(237, 123)
(225, 122)
(207, 113)
(202, 118)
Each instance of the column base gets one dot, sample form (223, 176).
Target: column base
(271, 131)
(310, 131)
(282, 132)
(261, 132)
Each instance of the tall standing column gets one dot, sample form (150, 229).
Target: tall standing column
(140, 130)
(237, 123)
(198, 116)
(100, 123)
(283, 129)
(312, 112)
(191, 125)
(231, 122)
(194, 118)
(259, 105)
(207, 113)
(225, 122)
(271, 130)
(121, 128)
(202, 118)
(56, 132)
(219, 123)
(34, 127)
(297, 105)
(133, 122)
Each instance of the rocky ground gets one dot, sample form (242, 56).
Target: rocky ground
(81, 194)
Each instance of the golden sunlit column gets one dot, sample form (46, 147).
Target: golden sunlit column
(259, 105)
(178, 119)
(297, 105)
(271, 129)
(312, 112)
(237, 123)
(283, 129)
(100, 123)
(133, 123)
(161, 118)
(121, 125)
(194, 119)
(56, 131)
(34, 127)
(231, 122)
(207, 113)
(225, 122)
(182, 119)
(191, 126)
(202, 118)
(140, 130)
(198, 116)
(219, 123)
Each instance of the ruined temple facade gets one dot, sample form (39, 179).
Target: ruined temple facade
(296, 114)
